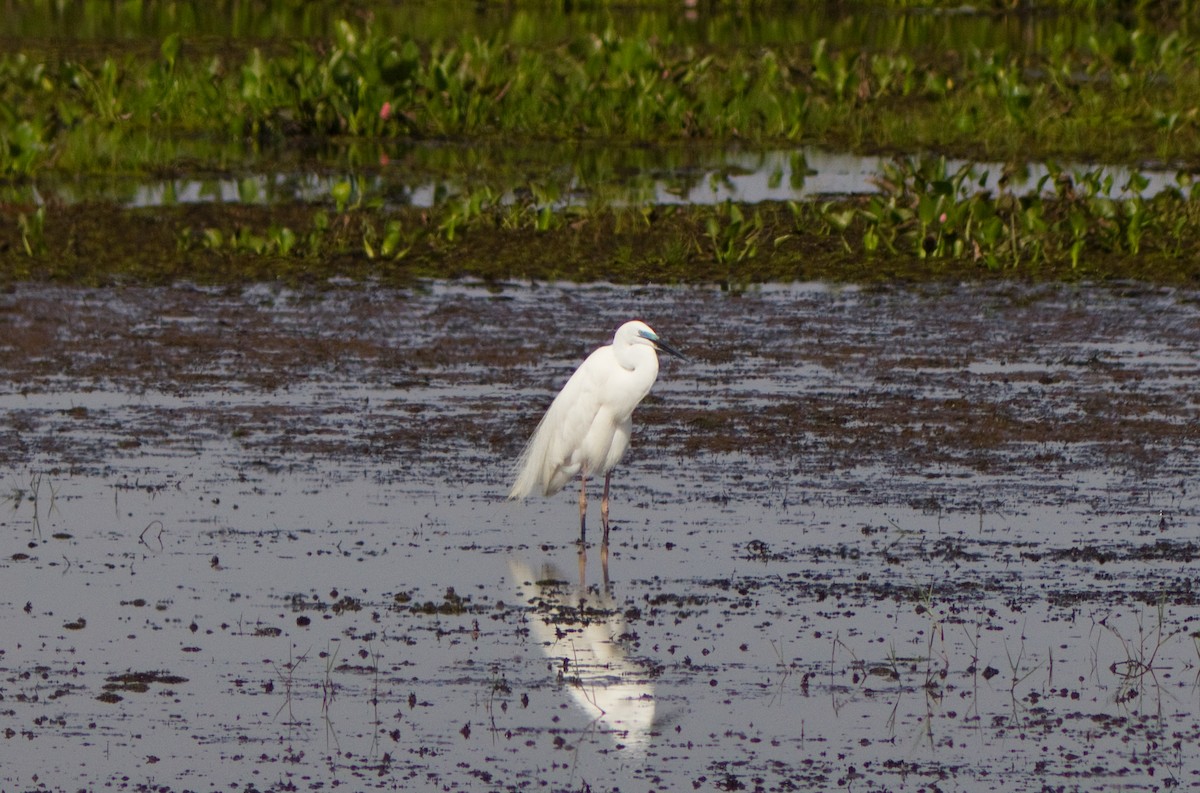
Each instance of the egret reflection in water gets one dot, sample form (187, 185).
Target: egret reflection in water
(584, 631)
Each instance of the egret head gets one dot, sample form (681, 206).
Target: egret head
(638, 332)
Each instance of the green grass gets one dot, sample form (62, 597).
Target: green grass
(922, 227)
(1117, 96)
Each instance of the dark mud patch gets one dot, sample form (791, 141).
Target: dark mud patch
(141, 681)
(118, 686)
(1158, 551)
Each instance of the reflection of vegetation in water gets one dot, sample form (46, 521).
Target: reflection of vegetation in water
(43, 504)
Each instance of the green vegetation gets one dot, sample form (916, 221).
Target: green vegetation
(337, 97)
(1139, 88)
(926, 225)
(928, 212)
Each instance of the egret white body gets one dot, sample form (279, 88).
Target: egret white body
(586, 430)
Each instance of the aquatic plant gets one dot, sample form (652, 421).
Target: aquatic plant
(929, 220)
(136, 110)
(926, 210)
(732, 238)
(345, 95)
(32, 226)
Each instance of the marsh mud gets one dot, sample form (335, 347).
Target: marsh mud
(929, 538)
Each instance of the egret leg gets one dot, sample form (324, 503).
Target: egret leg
(583, 510)
(582, 532)
(604, 510)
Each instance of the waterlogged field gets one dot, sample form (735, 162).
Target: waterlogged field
(257, 428)
(903, 539)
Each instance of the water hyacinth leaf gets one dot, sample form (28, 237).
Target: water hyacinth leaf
(340, 191)
(870, 240)
(248, 190)
(1105, 208)
(1079, 220)
(213, 238)
(169, 50)
(928, 208)
(1137, 183)
(283, 239)
(840, 219)
(391, 239)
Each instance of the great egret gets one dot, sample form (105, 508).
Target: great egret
(586, 430)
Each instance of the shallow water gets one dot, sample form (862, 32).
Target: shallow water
(432, 174)
(864, 538)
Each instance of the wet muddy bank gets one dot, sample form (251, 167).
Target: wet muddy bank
(930, 383)
(879, 537)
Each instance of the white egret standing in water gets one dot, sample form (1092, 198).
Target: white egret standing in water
(586, 430)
